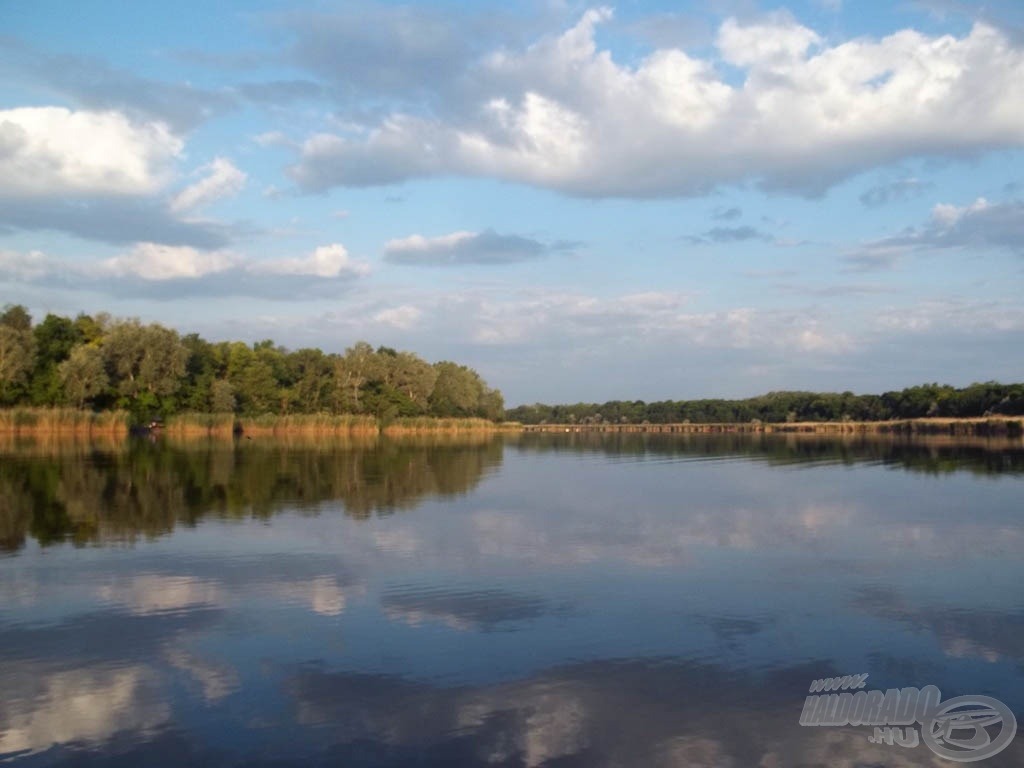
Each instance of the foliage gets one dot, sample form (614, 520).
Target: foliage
(927, 400)
(153, 373)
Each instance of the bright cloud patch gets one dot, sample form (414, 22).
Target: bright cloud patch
(223, 179)
(486, 247)
(326, 261)
(169, 272)
(150, 261)
(403, 317)
(563, 114)
(48, 151)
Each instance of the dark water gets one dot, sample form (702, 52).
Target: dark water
(624, 600)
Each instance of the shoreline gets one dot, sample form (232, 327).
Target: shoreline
(982, 426)
(68, 422)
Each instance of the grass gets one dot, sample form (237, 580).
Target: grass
(69, 421)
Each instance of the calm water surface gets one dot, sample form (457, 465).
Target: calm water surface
(628, 600)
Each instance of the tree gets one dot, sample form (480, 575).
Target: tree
(457, 390)
(311, 374)
(146, 363)
(83, 375)
(357, 367)
(413, 377)
(54, 339)
(17, 353)
(252, 379)
(222, 397)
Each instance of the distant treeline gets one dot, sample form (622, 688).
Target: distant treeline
(927, 400)
(101, 363)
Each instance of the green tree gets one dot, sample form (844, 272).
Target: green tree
(457, 390)
(54, 338)
(222, 397)
(146, 364)
(83, 375)
(17, 353)
(353, 371)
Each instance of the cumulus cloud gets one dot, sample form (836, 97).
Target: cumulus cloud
(152, 270)
(486, 247)
(563, 114)
(41, 153)
(326, 261)
(28, 267)
(223, 179)
(980, 224)
(151, 261)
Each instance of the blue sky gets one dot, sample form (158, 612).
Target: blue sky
(584, 202)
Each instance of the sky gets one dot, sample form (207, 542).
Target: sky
(645, 200)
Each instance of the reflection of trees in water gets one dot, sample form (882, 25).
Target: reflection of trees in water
(145, 489)
(934, 455)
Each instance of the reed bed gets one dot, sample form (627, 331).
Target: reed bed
(64, 421)
(185, 425)
(431, 424)
(309, 423)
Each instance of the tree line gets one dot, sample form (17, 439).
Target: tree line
(927, 400)
(102, 363)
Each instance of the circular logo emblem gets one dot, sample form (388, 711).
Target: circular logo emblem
(969, 728)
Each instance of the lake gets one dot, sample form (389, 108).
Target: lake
(539, 599)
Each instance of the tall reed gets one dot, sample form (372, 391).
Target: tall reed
(63, 421)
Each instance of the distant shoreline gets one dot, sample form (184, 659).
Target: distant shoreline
(995, 426)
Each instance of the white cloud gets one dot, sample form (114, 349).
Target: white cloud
(151, 261)
(780, 43)
(403, 317)
(563, 114)
(168, 272)
(946, 215)
(33, 265)
(223, 180)
(326, 261)
(49, 151)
